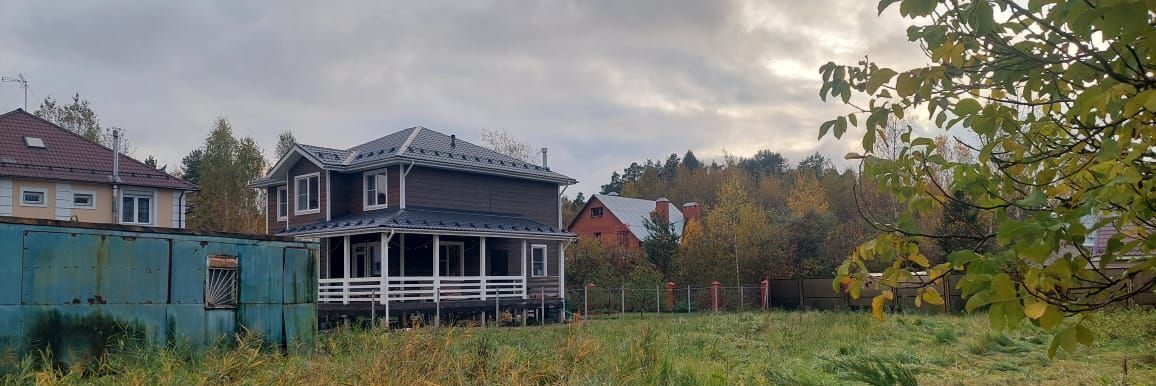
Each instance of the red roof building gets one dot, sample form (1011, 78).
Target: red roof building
(49, 172)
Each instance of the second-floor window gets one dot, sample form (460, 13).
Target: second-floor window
(596, 212)
(376, 189)
(307, 188)
(282, 202)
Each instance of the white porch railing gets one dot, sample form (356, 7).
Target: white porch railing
(420, 288)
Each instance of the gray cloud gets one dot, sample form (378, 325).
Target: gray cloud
(600, 83)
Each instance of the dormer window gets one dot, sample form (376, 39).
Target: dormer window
(34, 142)
(375, 185)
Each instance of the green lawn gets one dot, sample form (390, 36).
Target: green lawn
(755, 348)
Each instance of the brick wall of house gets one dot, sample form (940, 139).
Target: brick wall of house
(606, 228)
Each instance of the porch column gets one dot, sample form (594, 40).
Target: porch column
(437, 259)
(562, 269)
(482, 265)
(345, 269)
(384, 271)
(525, 272)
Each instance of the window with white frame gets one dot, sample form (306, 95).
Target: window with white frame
(83, 200)
(538, 260)
(376, 188)
(34, 197)
(282, 202)
(307, 189)
(136, 207)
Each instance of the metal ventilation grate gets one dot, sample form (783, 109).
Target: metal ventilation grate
(221, 282)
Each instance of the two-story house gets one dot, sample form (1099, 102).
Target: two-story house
(48, 172)
(418, 219)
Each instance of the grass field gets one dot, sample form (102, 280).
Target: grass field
(803, 348)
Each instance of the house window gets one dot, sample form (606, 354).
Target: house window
(538, 261)
(598, 235)
(221, 282)
(596, 212)
(282, 202)
(136, 208)
(308, 191)
(83, 200)
(376, 190)
(34, 197)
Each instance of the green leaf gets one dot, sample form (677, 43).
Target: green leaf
(931, 296)
(906, 84)
(967, 106)
(1084, 335)
(1051, 318)
(979, 299)
(879, 78)
(869, 140)
(883, 4)
(825, 127)
(996, 317)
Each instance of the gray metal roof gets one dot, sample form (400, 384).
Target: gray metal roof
(435, 219)
(633, 211)
(422, 144)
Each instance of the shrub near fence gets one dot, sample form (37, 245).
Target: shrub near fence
(791, 294)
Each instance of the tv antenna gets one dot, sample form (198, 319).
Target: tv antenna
(23, 84)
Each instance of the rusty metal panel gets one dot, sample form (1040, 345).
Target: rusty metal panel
(13, 343)
(81, 331)
(189, 260)
(300, 280)
(261, 270)
(300, 326)
(263, 319)
(82, 268)
(220, 325)
(186, 325)
(11, 250)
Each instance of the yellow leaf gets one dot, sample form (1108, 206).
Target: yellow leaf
(918, 258)
(931, 296)
(888, 294)
(877, 307)
(1035, 310)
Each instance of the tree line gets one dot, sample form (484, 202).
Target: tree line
(762, 218)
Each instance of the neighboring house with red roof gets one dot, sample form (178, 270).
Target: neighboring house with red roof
(48, 172)
(617, 220)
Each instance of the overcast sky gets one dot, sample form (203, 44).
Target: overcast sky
(600, 83)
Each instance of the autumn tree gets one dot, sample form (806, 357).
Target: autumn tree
(285, 143)
(79, 117)
(502, 142)
(1058, 102)
(226, 164)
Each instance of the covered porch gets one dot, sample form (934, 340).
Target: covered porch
(395, 266)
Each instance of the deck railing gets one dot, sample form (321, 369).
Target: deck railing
(420, 288)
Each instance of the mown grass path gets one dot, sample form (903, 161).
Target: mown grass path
(820, 348)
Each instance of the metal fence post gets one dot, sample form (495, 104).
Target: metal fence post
(658, 298)
(688, 303)
(542, 312)
(497, 312)
(623, 301)
(438, 306)
(372, 307)
(742, 302)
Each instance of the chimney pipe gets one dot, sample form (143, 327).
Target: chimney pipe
(662, 206)
(115, 176)
(544, 158)
(453, 140)
(691, 211)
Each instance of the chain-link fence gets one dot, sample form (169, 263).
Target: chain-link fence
(806, 294)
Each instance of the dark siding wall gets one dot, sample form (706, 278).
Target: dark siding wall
(535, 286)
(275, 226)
(345, 189)
(303, 167)
(439, 188)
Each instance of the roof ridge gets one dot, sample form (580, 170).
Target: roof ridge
(408, 141)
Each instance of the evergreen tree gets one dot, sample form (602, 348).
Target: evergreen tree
(661, 244)
(690, 161)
